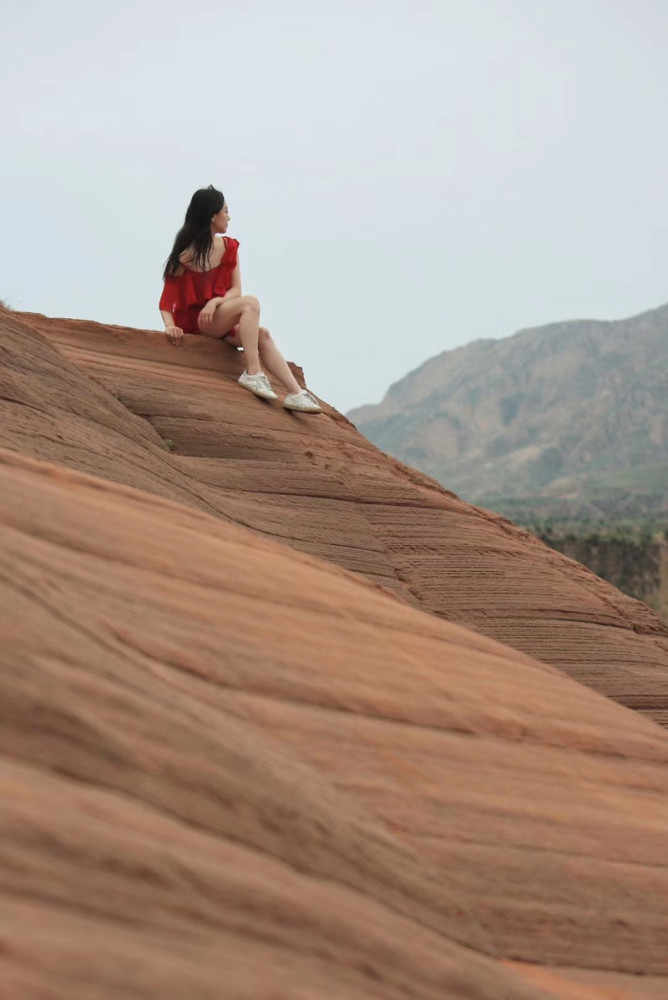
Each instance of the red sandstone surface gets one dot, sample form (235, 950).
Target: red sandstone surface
(234, 769)
(317, 485)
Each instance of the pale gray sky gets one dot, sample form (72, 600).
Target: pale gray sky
(403, 177)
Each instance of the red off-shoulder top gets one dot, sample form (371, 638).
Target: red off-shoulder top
(185, 295)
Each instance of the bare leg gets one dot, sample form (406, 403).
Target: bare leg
(271, 358)
(243, 311)
(275, 363)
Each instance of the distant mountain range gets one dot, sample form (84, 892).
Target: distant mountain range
(563, 421)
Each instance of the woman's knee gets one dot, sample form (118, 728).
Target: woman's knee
(250, 303)
(264, 335)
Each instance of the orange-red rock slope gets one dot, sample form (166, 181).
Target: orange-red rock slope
(231, 770)
(316, 484)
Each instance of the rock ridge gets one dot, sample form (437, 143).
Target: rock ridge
(260, 738)
(112, 401)
(292, 808)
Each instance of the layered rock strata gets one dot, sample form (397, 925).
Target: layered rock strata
(125, 405)
(232, 770)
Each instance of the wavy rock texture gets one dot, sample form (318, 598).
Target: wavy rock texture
(317, 485)
(232, 770)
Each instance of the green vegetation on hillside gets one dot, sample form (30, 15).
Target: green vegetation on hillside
(633, 499)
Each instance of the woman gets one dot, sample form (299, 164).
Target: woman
(202, 295)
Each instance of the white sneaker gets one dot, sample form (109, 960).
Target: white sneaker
(302, 401)
(259, 384)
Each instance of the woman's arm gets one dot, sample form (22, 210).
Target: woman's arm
(167, 302)
(233, 292)
(172, 332)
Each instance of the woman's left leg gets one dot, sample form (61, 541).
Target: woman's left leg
(270, 357)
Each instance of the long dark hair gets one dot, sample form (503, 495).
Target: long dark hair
(196, 230)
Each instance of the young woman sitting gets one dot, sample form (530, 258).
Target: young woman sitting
(202, 295)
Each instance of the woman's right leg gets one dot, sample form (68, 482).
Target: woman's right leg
(243, 311)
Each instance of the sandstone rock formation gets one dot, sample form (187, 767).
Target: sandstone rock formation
(231, 770)
(113, 401)
(637, 562)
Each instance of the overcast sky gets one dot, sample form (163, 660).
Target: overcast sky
(403, 177)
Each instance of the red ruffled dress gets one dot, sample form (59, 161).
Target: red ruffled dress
(185, 295)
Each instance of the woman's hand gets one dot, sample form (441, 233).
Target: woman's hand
(174, 334)
(205, 318)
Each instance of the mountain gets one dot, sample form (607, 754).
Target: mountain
(259, 737)
(566, 420)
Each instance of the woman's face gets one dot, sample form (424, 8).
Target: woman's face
(220, 220)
